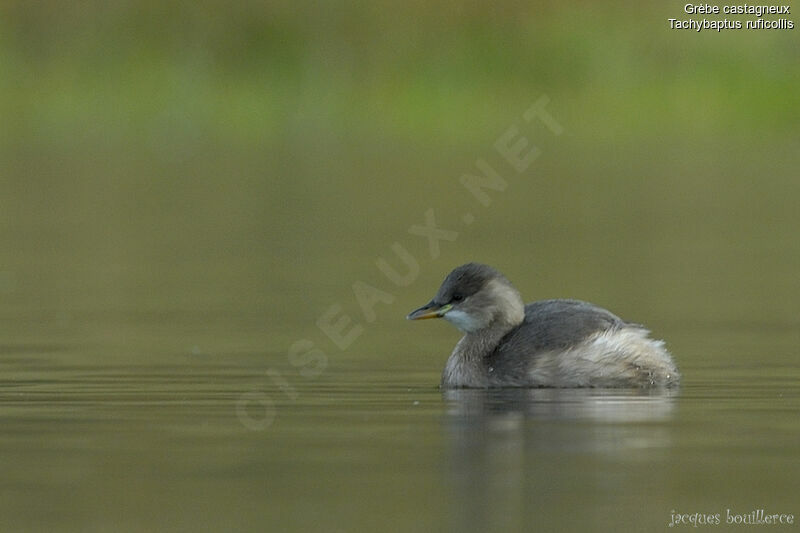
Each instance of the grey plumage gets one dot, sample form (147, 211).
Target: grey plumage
(551, 324)
(466, 280)
(550, 343)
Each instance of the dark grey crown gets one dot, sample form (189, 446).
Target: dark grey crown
(465, 281)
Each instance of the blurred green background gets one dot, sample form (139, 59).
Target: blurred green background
(186, 187)
(163, 157)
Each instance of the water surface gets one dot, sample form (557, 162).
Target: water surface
(235, 440)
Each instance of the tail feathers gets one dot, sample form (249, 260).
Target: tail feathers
(623, 357)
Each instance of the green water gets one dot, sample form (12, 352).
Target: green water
(170, 396)
(235, 439)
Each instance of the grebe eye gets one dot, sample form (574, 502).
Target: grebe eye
(457, 297)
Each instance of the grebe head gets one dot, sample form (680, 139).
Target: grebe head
(474, 297)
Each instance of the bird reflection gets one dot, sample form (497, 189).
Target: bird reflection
(511, 451)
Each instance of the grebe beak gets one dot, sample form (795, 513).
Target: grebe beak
(429, 310)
